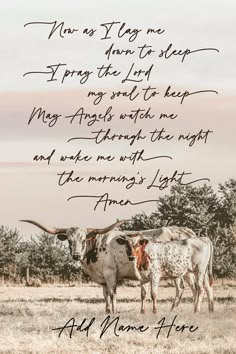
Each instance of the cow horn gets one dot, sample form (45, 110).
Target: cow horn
(95, 232)
(53, 231)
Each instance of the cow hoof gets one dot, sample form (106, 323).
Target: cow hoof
(143, 312)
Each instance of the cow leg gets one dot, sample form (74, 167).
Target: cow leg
(113, 299)
(143, 297)
(179, 290)
(107, 299)
(200, 291)
(209, 292)
(191, 281)
(154, 285)
(111, 288)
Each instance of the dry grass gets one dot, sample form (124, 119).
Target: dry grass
(28, 315)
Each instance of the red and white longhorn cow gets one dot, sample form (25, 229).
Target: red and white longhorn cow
(175, 259)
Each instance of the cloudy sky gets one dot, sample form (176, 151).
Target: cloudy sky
(29, 189)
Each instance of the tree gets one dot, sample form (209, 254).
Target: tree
(142, 222)
(48, 258)
(224, 259)
(194, 207)
(9, 241)
(227, 203)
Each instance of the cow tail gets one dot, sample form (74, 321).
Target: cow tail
(211, 279)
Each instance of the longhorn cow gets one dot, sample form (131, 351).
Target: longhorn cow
(174, 259)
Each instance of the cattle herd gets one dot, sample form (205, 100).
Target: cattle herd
(109, 255)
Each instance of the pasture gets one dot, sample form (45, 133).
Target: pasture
(29, 315)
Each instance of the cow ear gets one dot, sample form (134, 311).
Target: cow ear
(62, 237)
(121, 241)
(143, 241)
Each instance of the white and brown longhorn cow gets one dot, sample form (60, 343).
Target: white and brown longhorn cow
(107, 259)
(154, 260)
(103, 261)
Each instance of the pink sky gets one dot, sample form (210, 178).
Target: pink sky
(29, 190)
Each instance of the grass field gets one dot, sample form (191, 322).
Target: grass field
(28, 315)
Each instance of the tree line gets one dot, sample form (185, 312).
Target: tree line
(207, 212)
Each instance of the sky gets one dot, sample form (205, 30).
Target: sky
(30, 189)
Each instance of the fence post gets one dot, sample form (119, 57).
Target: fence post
(27, 276)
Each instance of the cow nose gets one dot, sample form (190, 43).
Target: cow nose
(132, 258)
(76, 257)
